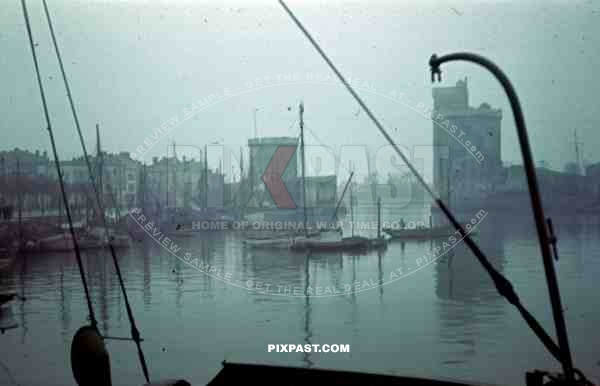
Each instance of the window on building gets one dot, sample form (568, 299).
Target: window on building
(131, 188)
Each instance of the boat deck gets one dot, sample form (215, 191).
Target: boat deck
(237, 374)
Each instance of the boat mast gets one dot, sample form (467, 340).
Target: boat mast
(334, 216)
(241, 164)
(144, 187)
(61, 182)
(303, 167)
(100, 167)
(352, 203)
(206, 175)
(20, 200)
(175, 174)
(135, 335)
(378, 217)
(578, 159)
(448, 181)
(167, 203)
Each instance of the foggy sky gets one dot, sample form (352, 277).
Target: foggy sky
(134, 66)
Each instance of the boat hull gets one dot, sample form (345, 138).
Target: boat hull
(237, 374)
(283, 243)
(64, 243)
(348, 244)
(422, 234)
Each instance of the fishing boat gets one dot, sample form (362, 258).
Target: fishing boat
(274, 243)
(437, 232)
(345, 244)
(240, 373)
(64, 242)
(274, 239)
(357, 243)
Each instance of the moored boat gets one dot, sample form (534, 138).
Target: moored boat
(276, 243)
(64, 242)
(238, 373)
(423, 233)
(354, 243)
(278, 239)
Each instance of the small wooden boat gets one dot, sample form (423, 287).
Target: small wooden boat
(424, 233)
(238, 373)
(279, 241)
(64, 242)
(354, 243)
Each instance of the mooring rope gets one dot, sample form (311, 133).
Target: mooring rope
(502, 284)
(92, 316)
(135, 334)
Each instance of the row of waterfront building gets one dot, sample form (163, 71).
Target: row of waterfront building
(468, 172)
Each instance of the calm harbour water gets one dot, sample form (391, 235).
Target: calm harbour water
(446, 320)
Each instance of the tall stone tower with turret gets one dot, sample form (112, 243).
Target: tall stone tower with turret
(467, 147)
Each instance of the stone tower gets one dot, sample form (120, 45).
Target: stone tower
(467, 147)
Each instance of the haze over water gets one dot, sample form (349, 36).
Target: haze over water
(445, 320)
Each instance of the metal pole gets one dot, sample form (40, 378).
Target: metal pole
(255, 127)
(342, 197)
(536, 201)
(4, 200)
(206, 175)
(175, 174)
(352, 208)
(167, 205)
(20, 201)
(303, 167)
(378, 217)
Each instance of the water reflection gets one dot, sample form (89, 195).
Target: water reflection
(24, 259)
(65, 302)
(468, 297)
(380, 272)
(450, 306)
(307, 312)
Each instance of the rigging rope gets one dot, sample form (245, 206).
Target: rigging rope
(92, 316)
(134, 331)
(502, 284)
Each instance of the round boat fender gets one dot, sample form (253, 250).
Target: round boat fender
(89, 358)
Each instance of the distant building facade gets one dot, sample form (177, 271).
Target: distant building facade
(24, 162)
(262, 151)
(467, 146)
